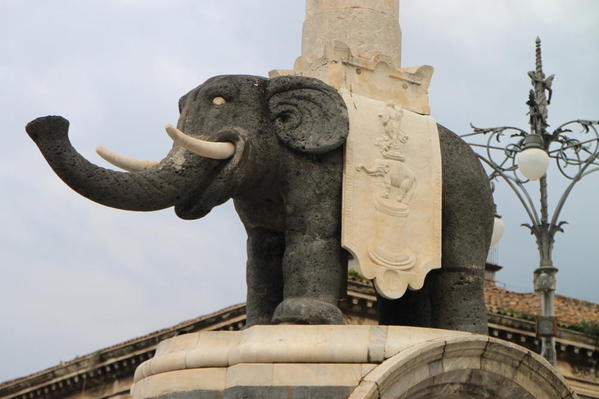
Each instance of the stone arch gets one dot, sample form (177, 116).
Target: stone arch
(474, 367)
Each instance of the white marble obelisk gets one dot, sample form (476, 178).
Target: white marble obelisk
(366, 27)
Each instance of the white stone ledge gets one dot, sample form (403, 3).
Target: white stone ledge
(285, 344)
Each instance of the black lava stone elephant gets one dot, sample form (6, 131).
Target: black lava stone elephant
(276, 147)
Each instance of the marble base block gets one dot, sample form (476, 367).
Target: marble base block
(344, 361)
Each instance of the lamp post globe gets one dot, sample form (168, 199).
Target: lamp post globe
(498, 230)
(533, 163)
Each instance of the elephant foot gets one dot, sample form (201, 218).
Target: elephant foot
(306, 311)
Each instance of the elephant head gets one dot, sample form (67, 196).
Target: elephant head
(254, 114)
(275, 147)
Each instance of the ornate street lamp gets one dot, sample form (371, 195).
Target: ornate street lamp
(519, 157)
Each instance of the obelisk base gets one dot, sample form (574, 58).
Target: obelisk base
(344, 361)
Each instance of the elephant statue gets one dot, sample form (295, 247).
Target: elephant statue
(275, 146)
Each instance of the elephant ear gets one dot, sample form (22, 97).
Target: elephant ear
(308, 115)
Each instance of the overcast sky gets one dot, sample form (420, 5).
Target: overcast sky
(77, 276)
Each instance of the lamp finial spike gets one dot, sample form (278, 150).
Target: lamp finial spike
(539, 59)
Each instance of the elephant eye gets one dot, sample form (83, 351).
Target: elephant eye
(218, 100)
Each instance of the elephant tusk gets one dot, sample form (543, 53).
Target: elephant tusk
(123, 162)
(207, 149)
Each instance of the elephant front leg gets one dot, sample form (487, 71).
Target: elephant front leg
(314, 272)
(264, 277)
(311, 269)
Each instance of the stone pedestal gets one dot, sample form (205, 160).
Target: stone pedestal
(344, 361)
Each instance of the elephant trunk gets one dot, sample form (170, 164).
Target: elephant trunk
(156, 188)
